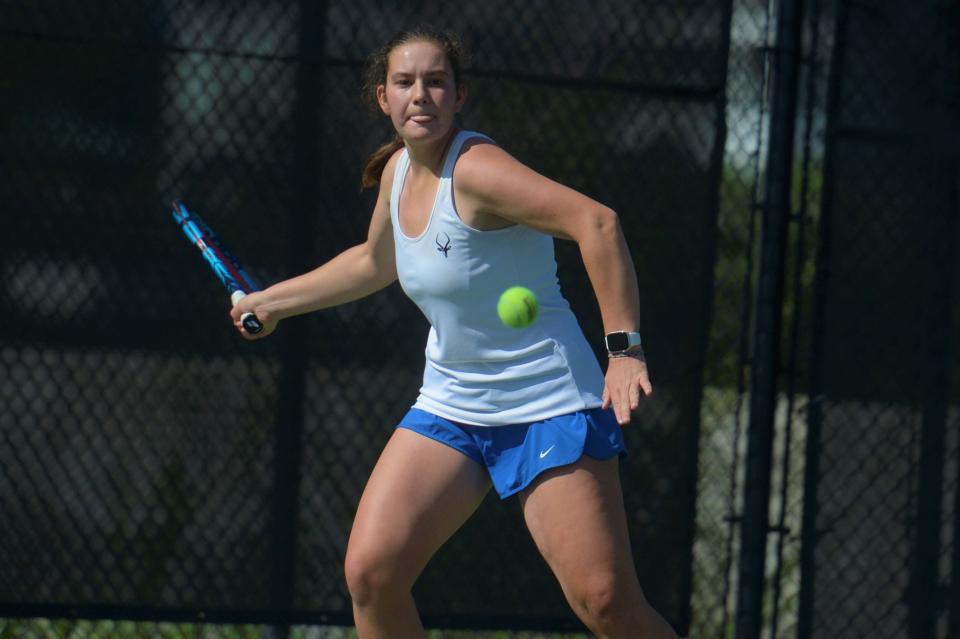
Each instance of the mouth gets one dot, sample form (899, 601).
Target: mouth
(422, 119)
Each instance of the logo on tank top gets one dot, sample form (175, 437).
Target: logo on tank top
(443, 243)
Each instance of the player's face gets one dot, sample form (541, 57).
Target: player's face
(420, 94)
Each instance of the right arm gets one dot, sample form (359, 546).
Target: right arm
(357, 272)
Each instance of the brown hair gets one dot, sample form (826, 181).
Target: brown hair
(375, 74)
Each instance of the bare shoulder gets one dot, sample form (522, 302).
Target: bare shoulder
(480, 162)
(496, 188)
(495, 178)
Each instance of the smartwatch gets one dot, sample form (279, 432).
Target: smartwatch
(622, 342)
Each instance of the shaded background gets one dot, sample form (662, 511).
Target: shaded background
(787, 177)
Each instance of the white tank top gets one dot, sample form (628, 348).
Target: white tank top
(479, 371)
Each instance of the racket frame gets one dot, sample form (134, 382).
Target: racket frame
(224, 265)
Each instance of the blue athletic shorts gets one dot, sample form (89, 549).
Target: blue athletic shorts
(514, 455)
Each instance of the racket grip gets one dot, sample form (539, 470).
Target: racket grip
(250, 322)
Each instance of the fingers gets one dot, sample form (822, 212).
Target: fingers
(634, 394)
(622, 411)
(621, 401)
(237, 320)
(626, 382)
(646, 385)
(251, 304)
(239, 326)
(246, 304)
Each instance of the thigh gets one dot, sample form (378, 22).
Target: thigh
(419, 493)
(576, 517)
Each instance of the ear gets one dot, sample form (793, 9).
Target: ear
(382, 99)
(461, 98)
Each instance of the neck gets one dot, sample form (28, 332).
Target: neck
(429, 155)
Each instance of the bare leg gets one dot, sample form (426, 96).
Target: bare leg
(576, 517)
(419, 494)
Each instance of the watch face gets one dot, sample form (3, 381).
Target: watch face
(617, 342)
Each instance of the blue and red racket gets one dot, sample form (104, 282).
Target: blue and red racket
(223, 263)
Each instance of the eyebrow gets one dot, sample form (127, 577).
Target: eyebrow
(401, 74)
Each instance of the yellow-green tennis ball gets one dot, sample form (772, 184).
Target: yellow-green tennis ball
(518, 307)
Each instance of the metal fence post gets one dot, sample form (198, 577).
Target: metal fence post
(290, 412)
(765, 373)
(711, 249)
(925, 595)
(810, 536)
(953, 588)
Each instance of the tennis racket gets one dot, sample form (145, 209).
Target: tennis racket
(223, 263)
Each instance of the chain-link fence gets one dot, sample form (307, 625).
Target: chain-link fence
(155, 468)
(883, 494)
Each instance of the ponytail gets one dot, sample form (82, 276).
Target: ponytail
(373, 169)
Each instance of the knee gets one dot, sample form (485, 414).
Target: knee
(601, 602)
(367, 578)
(606, 606)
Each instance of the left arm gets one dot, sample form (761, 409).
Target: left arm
(492, 183)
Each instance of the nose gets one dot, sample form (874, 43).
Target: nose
(420, 93)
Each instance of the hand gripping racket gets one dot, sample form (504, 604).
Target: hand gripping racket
(223, 263)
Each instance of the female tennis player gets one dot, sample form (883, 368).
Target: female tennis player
(528, 411)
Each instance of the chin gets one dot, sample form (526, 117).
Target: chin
(422, 134)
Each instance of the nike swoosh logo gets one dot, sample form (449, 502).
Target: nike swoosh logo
(544, 453)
